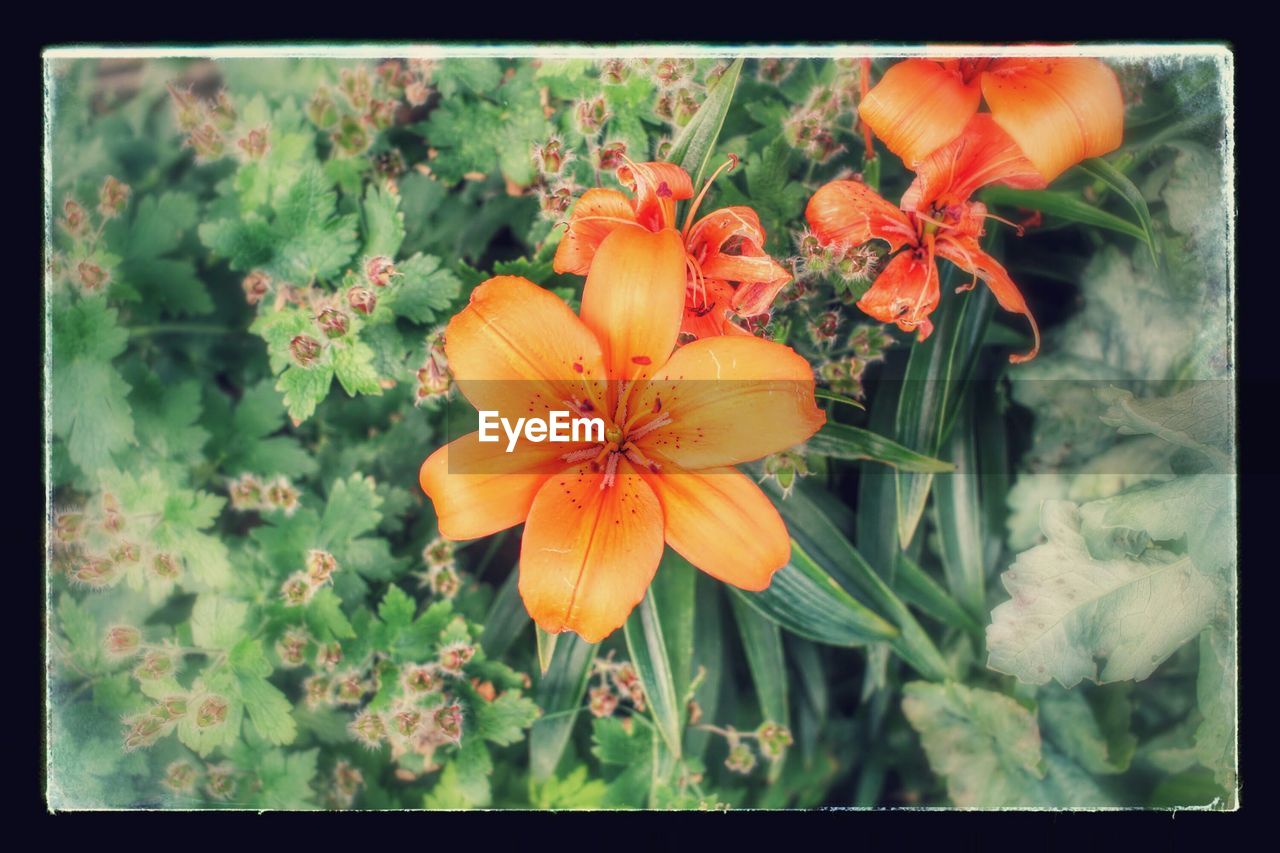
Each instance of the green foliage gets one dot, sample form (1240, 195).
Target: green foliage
(1008, 585)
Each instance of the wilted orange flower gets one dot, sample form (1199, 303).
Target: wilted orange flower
(726, 270)
(1058, 111)
(936, 219)
(597, 514)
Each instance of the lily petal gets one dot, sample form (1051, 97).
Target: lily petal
(518, 349)
(851, 213)
(589, 553)
(983, 154)
(1059, 111)
(966, 254)
(478, 488)
(718, 226)
(905, 292)
(706, 310)
(594, 217)
(634, 298)
(730, 399)
(720, 521)
(917, 106)
(657, 186)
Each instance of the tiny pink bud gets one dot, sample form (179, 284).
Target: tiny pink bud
(92, 276)
(333, 322)
(123, 641)
(362, 300)
(305, 350)
(379, 271)
(112, 197)
(212, 711)
(320, 566)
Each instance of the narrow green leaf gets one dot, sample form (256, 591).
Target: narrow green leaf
(694, 146)
(507, 618)
(648, 650)
(762, 642)
(820, 538)
(823, 394)
(1062, 204)
(674, 593)
(1102, 170)
(840, 441)
(957, 514)
(546, 648)
(708, 659)
(559, 694)
(936, 375)
(916, 586)
(808, 602)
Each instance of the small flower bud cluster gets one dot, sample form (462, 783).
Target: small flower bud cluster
(97, 545)
(824, 328)
(346, 783)
(434, 380)
(866, 345)
(774, 71)
(212, 125)
(441, 574)
(251, 493)
(785, 469)
(84, 266)
(618, 680)
(367, 103)
(300, 587)
(181, 777)
(770, 738)
(292, 647)
(145, 728)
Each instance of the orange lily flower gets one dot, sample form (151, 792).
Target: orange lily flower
(1058, 111)
(936, 219)
(726, 270)
(597, 514)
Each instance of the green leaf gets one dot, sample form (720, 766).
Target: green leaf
(674, 594)
(269, 710)
(325, 616)
(988, 749)
(559, 694)
(383, 222)
(504, 720)
(1101, 170)
(696, 143)
(647, 648)
(90, 410)
(286, 778)
(840, 441)
(957, 506)
(916, 586)
(216, 621)
(762, 643)
(1069, 610)
(936, 376)
(1100, 744)
(353, 365)
(424, 289)
(397, 609)
(808, 602)
(709, 656)
(506, 619)
(823, 541)
(1215, 737)
(1062, 204)
(304, 389)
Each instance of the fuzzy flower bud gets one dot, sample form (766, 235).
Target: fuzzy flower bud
(591, 114)
(316, 690)
(453, 657)
(609, 156)
(122, 641)
(180, 777)
(255, 144)
(329, 655)
(297, 590)
(112, 197)
(211, 711)
(74, 217)
(165, 567)
(321, 109)
(222, 112)
(332, 322)
(320, 566)
(155, 665)
(291, 648)
(741, 759)
(603, 701)
(419, 680)
(305, 350)
(379, 271)
(615, 71)
(362, 300)
(448, 720)
(92, 277)
(773, 739)
(368, 728)
(257, 285)
(207, 143)
(282, 495)
(220, 782)
(416, 93)
(351, 138)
